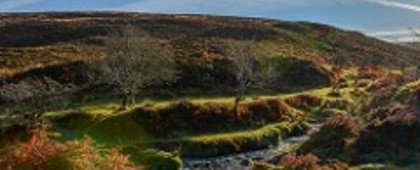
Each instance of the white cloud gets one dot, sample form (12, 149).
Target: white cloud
(401, 35)
(401, 5)
(9, 5)
(390, 33)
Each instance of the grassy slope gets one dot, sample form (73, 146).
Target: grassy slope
(109, 127)
(109, 107)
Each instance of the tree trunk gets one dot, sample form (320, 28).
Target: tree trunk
(236, 106)
(238, 98)
(125, 102)
(132, 99)
(128, 99)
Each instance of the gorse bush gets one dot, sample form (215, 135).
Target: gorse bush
(210, 117)
(41, 152)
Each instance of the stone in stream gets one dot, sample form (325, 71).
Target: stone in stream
(227, 162)
(196, 166)
(245, 162)
(208, 165)
(257, 159)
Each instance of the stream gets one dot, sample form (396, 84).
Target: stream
(243, 161)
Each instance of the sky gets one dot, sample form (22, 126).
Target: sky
(391, 20)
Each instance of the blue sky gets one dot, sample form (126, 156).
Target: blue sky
(386, 19)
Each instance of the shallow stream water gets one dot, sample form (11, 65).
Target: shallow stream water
(243, 161)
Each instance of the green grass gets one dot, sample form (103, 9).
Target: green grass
(115, 130)
(222, 144)
(156, 160)
(106, 125)
(110, 106)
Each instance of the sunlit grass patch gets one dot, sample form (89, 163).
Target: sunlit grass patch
(120, 129)
(155, 159)
(110, 106)
(222, 144)
(106, 124)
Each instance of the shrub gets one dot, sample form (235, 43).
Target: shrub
(281, 110)
(85, 154)
(184, 116)
(371, 73)
(297, 162)
(33, 154)
(254, 112)
(394, 138)
(212, 117)
(292, 161)
(41, 152)
(267, 111)
(334, 137)
(264, 166)
(304, 101)
(345, 123)
(389, 82)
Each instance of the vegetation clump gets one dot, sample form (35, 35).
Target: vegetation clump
(212, 117)
(237, 142)
(334, 137)
(157, 160)
(41, 152)
(305, 102)
(395, 137)
(293, 161)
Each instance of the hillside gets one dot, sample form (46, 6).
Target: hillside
(33, 41)
(202, 92)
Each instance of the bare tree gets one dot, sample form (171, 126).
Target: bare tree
(25, 102)
(245, 67)
(338, 60)
(134, 61)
